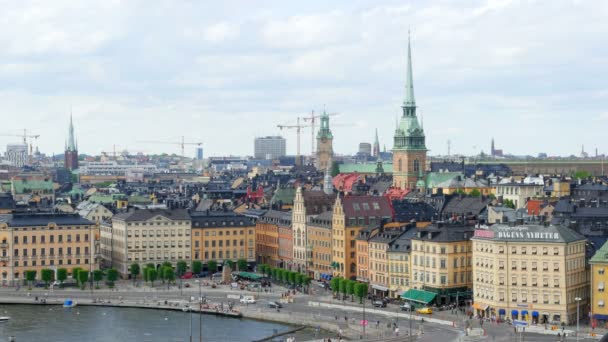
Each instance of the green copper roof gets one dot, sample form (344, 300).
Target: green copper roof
(365, 168)
(435, 178)
(324, 131)
(106, 199)
(409, 100)
(284, 195)
(22, 186)
(601, 256)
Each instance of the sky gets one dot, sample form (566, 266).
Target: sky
(531, 74)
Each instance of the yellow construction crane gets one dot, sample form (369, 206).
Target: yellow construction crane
(181, 143)
(298, 129)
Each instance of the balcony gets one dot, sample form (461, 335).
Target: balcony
(4, 258)
(3, 244)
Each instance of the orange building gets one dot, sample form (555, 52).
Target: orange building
(267, 238)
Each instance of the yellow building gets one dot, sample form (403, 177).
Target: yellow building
(267, 238)
(530, 272)
(37, 241)
(599, 279)
(441, 268)
(399, 257)
(222, 236)
(146, 236)
(379, 270)
(352, 213)
(318, 234)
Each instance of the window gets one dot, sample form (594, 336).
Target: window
(600, 303)
(600, 286)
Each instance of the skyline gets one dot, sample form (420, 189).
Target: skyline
(195, 70)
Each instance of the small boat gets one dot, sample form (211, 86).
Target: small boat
(4, 319)
(69, 303)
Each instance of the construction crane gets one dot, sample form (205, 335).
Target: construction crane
(298, 129)
(25, 136)
(312, 119)
(181, 143)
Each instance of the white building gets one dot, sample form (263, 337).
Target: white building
(114, 168)
(16, 154)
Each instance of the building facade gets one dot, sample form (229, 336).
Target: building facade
(271, 147)
(16, 154)
(409, 147)
(441, 262)
(519, 193)
(531, 273)
(399, 264)
(599, 279)
(32, 241)
(362, 252)
(267, 238)
(71, 149)
(379, 274)
(223, 236)
(319, 241)
(325, 138)
(285, 242)
(146, 236)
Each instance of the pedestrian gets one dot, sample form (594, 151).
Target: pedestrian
(397, 331)
(346, 318)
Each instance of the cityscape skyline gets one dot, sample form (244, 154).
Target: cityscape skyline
(270, 67)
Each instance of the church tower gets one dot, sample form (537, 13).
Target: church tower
(376, 150)
(71, 149)
(325, 150)
(409, 148)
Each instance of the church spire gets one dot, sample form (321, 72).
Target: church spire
(409, 102)
(71, 140)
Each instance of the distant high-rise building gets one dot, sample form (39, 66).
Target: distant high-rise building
(365, 148)
(199, 153)
(271, 147)
(325, 139)
(71, 149)
(16, 154)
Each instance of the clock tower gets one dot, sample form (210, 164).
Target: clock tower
(325, 150)
(409, 148)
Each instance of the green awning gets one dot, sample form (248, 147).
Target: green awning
(419, 296)
(249, 275)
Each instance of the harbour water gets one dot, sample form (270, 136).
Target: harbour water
(31, 323)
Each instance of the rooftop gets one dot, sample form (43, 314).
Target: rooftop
(43, 219)
(531, 233)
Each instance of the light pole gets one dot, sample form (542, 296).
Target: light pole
(578, 301)
(200, 312)
(190, 308)
(410, 316)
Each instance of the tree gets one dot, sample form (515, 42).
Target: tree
(151, 274)
(306, 282)
(508, 203)
(135, 270)
(197, 267)
(242, 264)
(212, 266)
(343, 286)
(298, 279)
(361, 291)
(285, 276)
(582, 174)
(275, 274)
(350, 288)
(335, 168)
(83, 277)
(30, 276)
(168, 275)
(62, 275)
(181, 268)
(47, 276)
(112, 276)
(475, 193)
(97, 277)
(167, 264)
(75, 272)
(230, 264)
(150, 265)
(292, 277)
(335, 284)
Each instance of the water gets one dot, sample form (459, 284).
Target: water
(31, 323)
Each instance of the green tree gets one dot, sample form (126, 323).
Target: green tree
(135, 270)
(97, 277)
(112, 276)
(350, 288)
(508, 203)
(284, 276)
(334, 284)
(212, 266)
(168, 275)
(150, 265)
(47, 276)
(30, 276)
(343, 287)
(166, 264)
(181, 268)
(242, 264)
(230, 264)
(475, 193)
(582, 174)
(292, 277)
(62, 275)
(275, 274)
(83, 277)
(361, 291)
(335, 168)
(298, 279)
(151, 274)
(75, 272)
(197, 267)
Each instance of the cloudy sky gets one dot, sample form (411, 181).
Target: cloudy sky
(532, 74)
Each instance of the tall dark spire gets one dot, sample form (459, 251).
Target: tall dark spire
(71, 139)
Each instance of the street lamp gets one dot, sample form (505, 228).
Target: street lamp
(578, 301)
(200, 311)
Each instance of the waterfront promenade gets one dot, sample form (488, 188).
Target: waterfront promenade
(317, 310)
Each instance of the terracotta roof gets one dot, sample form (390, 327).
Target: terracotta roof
(367, 206)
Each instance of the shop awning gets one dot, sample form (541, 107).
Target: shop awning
(524, 312)
(534, 313)
(479, 306)
(249, 275)
(379, 287)
(514, 312)
(419, 296)
(602, 317)
(501, 312)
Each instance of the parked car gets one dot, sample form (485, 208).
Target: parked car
(69, 283)
(379, 304)
(40, 284)
(248, 300)
(425, 311)
(203, 274)
(187, 275)
(275, 305)
(406, 307)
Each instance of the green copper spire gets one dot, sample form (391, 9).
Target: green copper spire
(324, 131)
(409, 103)
(71, 140)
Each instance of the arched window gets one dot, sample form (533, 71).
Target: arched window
(416, 165)
(399, 165)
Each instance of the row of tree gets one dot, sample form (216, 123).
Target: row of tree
(349, 287)
(284, 276)
(81, 276)
(181, 267)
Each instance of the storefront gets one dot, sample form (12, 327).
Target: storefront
(379, 290)
(481, 309)
(534, 317)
